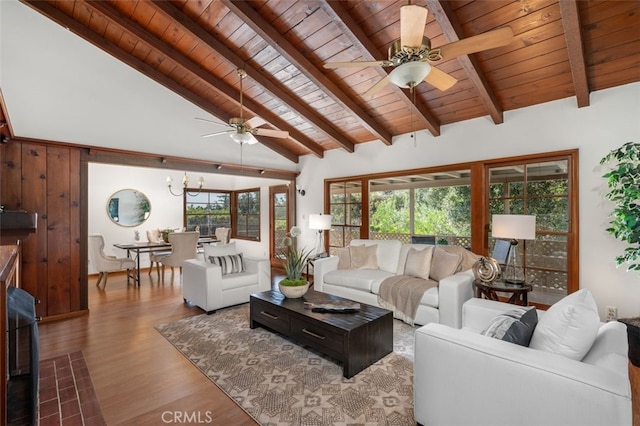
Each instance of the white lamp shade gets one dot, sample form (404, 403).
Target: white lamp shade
(320, 221)
(514, 226)
(409, 74)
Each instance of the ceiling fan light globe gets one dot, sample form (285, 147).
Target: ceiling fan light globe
(410, 74)
(241, 137)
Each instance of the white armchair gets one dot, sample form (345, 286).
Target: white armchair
(462, 377)
(205, 285)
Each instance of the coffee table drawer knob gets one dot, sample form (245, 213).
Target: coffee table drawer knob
(310, 333)
(268, 315)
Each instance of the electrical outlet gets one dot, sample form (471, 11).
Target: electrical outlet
(612, 313)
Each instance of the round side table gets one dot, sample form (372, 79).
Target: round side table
(489, 291)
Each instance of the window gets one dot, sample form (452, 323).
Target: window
(539, 188)
(345, 205)
(454, 204)
(421, 207)
(207, 211)
(247, 217)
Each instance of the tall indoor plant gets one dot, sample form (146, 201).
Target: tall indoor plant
(623, 181)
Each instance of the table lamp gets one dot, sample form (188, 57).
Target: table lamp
(320, 222)
(514, 227)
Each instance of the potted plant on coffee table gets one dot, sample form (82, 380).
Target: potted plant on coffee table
(293, 261)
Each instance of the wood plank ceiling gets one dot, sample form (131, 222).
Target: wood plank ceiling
(560, 49)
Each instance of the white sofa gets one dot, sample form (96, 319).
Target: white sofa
(204, 284)
(442, 304)
(462, 377)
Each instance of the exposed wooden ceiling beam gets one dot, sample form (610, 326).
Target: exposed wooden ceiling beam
(68, 22)
(217, 84)
(370, 52)
(575, 49)
(264, 29)
(452, 30)
(273, 87)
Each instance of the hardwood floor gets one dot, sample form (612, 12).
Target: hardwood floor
(138, 376)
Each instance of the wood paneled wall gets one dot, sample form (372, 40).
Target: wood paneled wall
(49, 180)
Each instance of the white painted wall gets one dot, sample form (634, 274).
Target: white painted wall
(166, 210)
(612, 119)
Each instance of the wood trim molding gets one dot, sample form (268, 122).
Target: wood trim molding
(142, 159)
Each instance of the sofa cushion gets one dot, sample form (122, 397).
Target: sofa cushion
(231, 264)
(444, 264)
(242, 279)
(569, 327)
(515, 326)
(364, 257)
(469, 258)
(388, 252)
(219, 250)
(359, 279)
(418, 262)
(344, 258)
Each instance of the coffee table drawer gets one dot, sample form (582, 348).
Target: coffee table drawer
(271, 316)
(319, 338)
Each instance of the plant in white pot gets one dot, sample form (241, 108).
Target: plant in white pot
(623, 181)
(293, 260)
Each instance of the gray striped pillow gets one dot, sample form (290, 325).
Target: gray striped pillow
(231, 264)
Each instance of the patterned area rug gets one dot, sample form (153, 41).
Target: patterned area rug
(280, 383)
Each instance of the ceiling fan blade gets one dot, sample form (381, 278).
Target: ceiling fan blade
(281, 134)
(489, 40)
(377, 87)
(208, 135)
(357, 64)
(440, 79)
(255, 122)
(413, 19)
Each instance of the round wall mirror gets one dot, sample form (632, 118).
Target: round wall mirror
(128, 207)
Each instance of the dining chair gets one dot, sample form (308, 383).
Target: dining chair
(105, 263)
(223, 235)
(184, 245)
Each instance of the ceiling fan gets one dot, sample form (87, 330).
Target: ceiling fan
(411, 55)
(242, 130)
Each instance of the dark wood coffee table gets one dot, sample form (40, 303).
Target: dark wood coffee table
(356, 339)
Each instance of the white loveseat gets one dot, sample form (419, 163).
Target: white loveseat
(462, 377)
(205, 285)
(441, 304)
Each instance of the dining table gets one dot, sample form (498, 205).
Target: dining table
(134, 250)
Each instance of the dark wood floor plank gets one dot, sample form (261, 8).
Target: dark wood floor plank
(137, 374)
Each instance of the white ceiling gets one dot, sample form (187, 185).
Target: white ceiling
(56, 86)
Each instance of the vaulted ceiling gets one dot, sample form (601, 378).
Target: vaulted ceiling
(560, 49)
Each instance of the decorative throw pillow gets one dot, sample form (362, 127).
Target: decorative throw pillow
(469, 258)
(418, 262)
(231, 264)
(344, 258)
(569, 327)
(515, 326)
(364, 257)
(444, 264)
